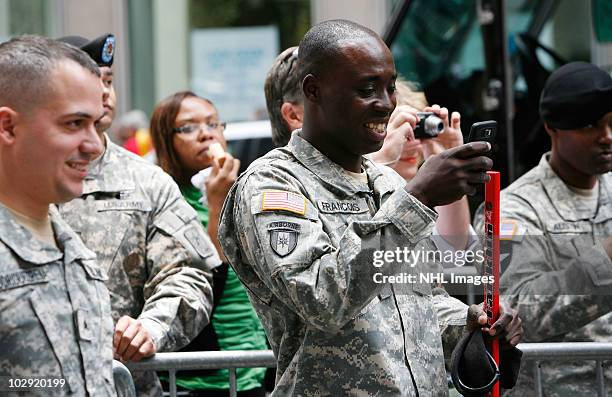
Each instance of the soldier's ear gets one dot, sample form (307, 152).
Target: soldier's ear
(550, 130)
(311, 89)
(8, 118)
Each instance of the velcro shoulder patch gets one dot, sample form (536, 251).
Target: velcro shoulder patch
(274, 200)
(510, 230)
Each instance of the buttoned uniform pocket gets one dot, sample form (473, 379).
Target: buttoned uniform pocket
(37, 336)
(384, 294)
(94, 324)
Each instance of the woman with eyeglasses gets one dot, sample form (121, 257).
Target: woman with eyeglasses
(183, 127)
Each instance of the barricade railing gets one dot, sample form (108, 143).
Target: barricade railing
(568, 351)
(538, 352)
(228, 359)
(124, 384)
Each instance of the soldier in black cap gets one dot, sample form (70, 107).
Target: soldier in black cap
(159, 258)
(557, 220)
(102, 51)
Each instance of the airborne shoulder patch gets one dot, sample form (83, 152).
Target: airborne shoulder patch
(283, 237)
(274, 200)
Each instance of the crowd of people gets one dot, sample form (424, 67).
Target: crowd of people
(105, 256)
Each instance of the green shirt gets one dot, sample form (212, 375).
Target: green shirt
(234, 320)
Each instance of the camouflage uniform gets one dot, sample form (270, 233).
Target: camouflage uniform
(557, 274)
(153, 247)
(54, 312)
(309, 276)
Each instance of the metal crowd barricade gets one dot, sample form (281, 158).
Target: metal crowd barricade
(228, 359)
(538, 352)
(570, 351)
(124, 384)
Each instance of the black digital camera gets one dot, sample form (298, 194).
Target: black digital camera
(429, 126)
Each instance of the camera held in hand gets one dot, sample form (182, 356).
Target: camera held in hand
(429, 126)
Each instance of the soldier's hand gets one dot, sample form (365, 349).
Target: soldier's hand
(131, 341)
(220, 180)
(446, 177)
(508, 327)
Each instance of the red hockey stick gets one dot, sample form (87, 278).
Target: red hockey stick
(491, 265)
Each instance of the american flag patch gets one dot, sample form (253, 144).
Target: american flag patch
(507, 229)
(281, 200)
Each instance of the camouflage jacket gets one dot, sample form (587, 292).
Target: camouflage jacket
(152, 245)
(557, 274)
(301, 234)
(54, 312)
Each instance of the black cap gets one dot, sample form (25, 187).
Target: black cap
(100, 49)
(576, 95)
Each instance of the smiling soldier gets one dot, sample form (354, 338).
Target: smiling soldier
(55, 324)
(300, 228)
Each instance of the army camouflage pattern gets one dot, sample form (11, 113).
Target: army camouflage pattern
(333, 331)
(558, 275)
(54, 312)
(153, 247)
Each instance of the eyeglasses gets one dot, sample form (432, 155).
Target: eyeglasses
(191, 128)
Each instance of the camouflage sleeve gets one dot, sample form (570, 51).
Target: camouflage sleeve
(325, 284)
(555, 287)
(179, 259)
(452, 316)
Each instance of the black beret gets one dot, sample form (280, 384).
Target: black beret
(576, 95)
(100, 49)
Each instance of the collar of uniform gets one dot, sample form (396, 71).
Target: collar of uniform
(68, 240)
(22, 243)
(569, 211)
(381, 185)
(330, 173)
(604, 210)
(111, 174)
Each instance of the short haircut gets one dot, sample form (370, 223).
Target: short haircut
(324, 40)
(283, 84)
(26, 63)
(162, 131)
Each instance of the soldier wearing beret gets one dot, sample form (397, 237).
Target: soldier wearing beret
(146, 236)
(55, 319)
(301, 226)
(557, 226)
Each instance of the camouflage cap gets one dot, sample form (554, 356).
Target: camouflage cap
(100, 49)
(576, 95)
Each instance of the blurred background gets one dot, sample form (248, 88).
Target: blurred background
(486, 58)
